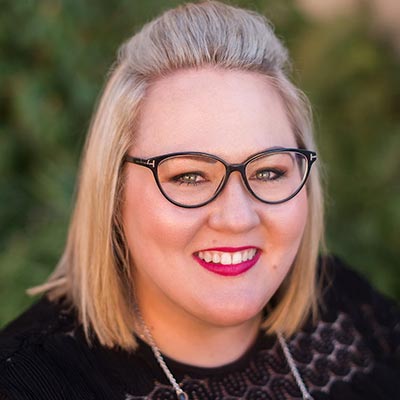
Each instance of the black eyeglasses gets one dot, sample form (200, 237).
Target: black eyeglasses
(193, 179)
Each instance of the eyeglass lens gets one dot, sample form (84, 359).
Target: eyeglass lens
(194, 179)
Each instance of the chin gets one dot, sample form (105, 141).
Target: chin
(231, 314)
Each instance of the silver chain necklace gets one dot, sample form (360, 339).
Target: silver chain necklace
(295, 372)
(181, 395)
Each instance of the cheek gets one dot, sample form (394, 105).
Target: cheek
(286, 222)
(151, 222)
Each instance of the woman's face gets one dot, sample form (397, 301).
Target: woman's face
(233, 115)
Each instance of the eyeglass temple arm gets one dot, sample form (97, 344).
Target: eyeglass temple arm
(149, 162)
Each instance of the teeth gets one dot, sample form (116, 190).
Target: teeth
(238, 257)
(226, 259)
(208, 256)
(216, 258)
(219, 257)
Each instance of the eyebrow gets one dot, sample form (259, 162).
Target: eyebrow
(208, 157)
(194, 157)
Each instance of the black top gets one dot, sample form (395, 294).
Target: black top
(351, 353)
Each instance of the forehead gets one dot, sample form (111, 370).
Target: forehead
(228, 113)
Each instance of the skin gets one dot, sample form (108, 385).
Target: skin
(192, 312)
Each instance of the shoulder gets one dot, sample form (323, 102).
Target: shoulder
(352, 350)
(35, 349)
(345, 287)
(375, 316)
(44, 354)
(42, 320)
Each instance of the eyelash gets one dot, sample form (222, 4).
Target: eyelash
(180, 179)
(278, 172)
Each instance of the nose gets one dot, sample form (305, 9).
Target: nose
(235, 209)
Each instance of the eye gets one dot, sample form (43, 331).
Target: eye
(266, 175)
(189, 178)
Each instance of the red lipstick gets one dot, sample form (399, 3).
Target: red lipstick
(228, 269)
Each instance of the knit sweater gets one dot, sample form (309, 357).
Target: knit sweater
(351, 353)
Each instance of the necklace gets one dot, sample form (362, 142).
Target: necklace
(295, 372)
(181, 395)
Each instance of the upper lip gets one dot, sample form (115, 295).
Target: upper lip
(227, 255)
(227, 249)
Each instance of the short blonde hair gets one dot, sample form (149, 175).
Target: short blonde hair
(94, 273)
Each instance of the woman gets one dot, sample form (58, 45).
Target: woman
(191, 269)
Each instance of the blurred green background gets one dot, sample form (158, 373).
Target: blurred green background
(54, 56)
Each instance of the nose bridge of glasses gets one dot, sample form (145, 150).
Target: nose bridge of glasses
(230, 168)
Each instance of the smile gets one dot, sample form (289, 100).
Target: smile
(227, 258)
(228, 261)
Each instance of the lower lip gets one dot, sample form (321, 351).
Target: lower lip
(229, 270)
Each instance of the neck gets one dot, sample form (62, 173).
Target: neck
(194, 342)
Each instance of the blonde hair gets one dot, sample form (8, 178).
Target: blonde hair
(94, 273)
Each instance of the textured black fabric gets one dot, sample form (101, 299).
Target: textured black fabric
(352, 353)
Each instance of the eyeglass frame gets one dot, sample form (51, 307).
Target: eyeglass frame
(153, 162)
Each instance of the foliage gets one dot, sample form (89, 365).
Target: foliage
(53, 60)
